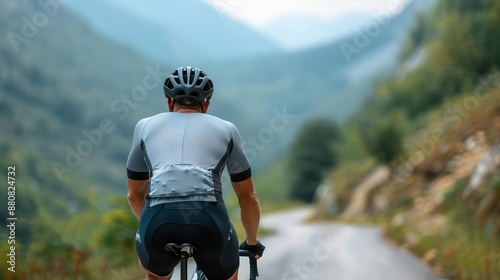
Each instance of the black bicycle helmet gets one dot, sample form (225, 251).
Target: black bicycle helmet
(189, 84)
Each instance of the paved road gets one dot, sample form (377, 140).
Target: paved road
(319, 251)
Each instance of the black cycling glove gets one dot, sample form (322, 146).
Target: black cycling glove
(258, 249)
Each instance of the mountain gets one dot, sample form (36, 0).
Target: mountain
(133, 30)
(177, 32)
(331, 81)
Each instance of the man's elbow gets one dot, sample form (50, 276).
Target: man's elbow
(133, 197)
(249, 199)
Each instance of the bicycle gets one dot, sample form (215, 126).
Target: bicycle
(185, 251)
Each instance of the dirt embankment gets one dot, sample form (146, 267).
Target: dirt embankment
(443, 202)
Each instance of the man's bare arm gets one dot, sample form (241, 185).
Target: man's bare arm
(250, 208)
(137, 195)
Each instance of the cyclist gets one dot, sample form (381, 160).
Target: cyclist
(174, 183)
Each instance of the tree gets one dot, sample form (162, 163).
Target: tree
(311, 155)
(383, 138)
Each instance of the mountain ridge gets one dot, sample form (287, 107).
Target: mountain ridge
(172, 36)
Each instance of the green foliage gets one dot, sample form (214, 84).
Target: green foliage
(462, 6)
(116, 238)
(310, 156)
(453, 196)
(465, 238)
(270, 186)
(494, 183)
(461, 40)
(461, 249)
(350, 146)
(48, 244)
(383, 139)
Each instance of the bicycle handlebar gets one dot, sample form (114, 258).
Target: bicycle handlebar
(254, 272)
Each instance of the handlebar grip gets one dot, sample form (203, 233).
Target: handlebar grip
(254, 272)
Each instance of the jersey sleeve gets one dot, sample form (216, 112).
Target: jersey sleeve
(137, 168)
(238, 165)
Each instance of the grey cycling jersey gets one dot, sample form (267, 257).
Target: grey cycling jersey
(183, 156)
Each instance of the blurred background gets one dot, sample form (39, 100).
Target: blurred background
(382, 113)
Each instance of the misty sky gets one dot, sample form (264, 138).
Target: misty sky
(312, 22)
(259, 13)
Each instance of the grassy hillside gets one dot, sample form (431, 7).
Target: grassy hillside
(67, 100)
(67, 113)
(447, 210)
(63, 84)
(435, 127)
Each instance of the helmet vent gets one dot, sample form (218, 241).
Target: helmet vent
(191, 76)
(208, 86)
(169, 84)
(177, 80)
(199, 81)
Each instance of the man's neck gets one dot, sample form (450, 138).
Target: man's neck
(187, 111)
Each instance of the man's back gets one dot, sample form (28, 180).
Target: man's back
(185, 154)
(174, 169)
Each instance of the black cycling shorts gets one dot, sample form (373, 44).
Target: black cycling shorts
(204, 225)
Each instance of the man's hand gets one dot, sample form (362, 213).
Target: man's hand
(258, 248)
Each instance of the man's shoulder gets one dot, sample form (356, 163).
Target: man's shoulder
(211, 117)
(142, 122)
(220, 120)
(157, 116)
